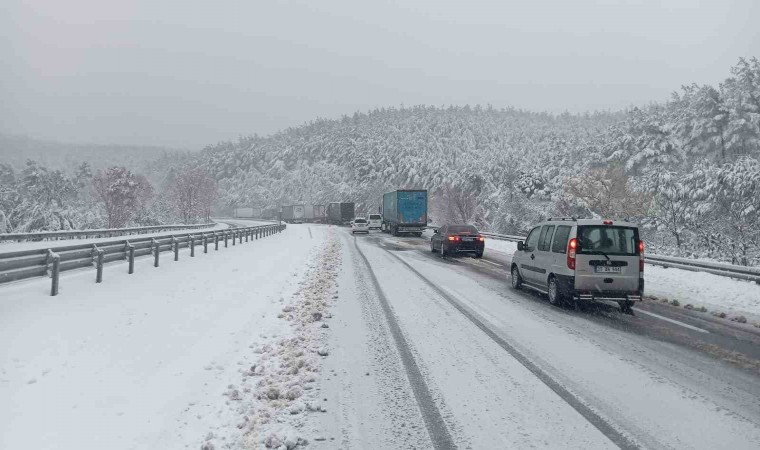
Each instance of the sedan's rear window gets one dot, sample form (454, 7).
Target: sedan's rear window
(459, 229)
(609, 240)
(360, 220)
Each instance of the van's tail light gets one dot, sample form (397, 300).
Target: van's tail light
(572, 246)
(641, 256)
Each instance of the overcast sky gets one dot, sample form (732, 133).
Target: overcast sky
(189, 73)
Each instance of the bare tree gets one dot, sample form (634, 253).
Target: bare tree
(606, 192)
(192, 194)
(122, 193)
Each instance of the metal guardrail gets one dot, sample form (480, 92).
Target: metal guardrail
(25, 264)
(98, 233)
(715, 268)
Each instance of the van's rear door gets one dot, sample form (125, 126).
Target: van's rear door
(607, 259)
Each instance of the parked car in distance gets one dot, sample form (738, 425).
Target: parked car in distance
(582, 260)
(359, 225)
(456, 239)
(375, 221)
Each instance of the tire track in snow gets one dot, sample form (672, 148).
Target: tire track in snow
(439, 433)
(618, 437)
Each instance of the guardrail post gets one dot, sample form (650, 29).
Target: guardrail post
(55, 271)
(98, 263)
(216, 241)
(205, 243)
(191, 242)
(131, 257)
(256, 233)
(175, 243)
(156, 250)
(225, 239)
(234, 237)
(247, 232)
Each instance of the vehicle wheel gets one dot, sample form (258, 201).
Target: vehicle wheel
(516, 278)
(353, 232)
(626, 307)
(418, 234)
(478, 255)
(432, 247)
(555, 296)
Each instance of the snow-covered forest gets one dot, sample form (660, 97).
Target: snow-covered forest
(687, 169)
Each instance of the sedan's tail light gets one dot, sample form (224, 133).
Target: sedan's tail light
(454, 238)
(481, 238)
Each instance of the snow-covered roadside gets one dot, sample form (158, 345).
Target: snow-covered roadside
(142, 361)
(714, 292)
(21, 246)
(276, 393)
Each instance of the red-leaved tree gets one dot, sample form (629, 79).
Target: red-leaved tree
(122, 192)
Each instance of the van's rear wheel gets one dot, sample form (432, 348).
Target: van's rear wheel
(555, 294)
(626, 307)
(516, 278)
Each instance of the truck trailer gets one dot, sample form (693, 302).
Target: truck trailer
(320, 213)
(243, 213)
(293, 214)
(405, 211)
(340, 213)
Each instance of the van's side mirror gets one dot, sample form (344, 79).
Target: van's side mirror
(520, 246)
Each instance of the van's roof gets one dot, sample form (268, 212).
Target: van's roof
(570, 221)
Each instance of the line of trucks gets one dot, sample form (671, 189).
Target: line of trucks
(403, 211)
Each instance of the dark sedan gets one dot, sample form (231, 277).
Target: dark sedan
(456, 239)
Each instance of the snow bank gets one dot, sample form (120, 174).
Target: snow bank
(277, 391)
(714, 292)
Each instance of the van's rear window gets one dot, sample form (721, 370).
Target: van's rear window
(610, 240)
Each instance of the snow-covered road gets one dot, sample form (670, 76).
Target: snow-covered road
(317, 338)
(511, 372)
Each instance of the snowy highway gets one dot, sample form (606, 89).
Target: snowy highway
(316, 338)
(508, 370)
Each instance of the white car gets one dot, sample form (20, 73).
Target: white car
(375, 221)
(359, 225)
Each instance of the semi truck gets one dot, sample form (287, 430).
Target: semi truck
(308, 213)
(320, 214)
(293, 213)
(405, 211)
(243, 213)
(247, 213)
(340, 213)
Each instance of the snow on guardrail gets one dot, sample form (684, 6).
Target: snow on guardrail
(20, 265)
(96, 233)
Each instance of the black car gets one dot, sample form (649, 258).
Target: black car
(454, 239)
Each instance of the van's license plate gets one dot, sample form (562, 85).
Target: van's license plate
(606, 269)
